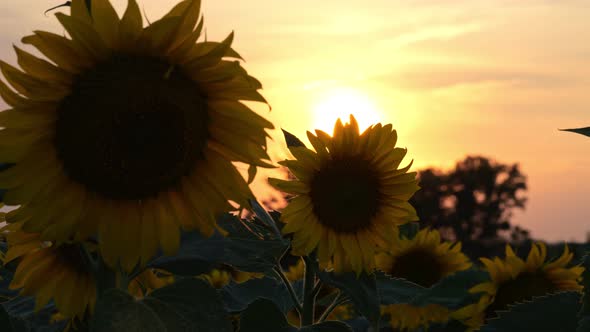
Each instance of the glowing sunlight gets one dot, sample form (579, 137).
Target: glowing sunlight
(340, 103)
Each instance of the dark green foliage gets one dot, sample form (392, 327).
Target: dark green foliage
(584, 324)
(584, 313)
(361, 290)
(237, 297)
(329, 326)
(452, 291)
(242, 249)
(292, 140)
(551, 313)
(409, 230)
(187, 305)
(5, 324)
(23, 317)
(582, 131)
(263, 315)
(265, 217)
(394, 290)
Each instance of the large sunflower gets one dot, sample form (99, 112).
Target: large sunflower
(128, 132)
(49, 271)
(423, 259)
(350, 195)
(515, 280)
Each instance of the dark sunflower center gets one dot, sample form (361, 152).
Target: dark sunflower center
(131, 127)
(522, 288)
(71, 255)
(345, 194)
(418, 266)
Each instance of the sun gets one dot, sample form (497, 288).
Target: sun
(339, 104)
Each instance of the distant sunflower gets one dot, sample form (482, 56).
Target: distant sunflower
(48, 271)
(423, 260)
(224, 274)
(515, 280)
(350, 195)
(129, 132)
(296, 271)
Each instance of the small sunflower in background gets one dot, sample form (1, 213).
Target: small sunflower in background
(515, 280)
(224, 274)
(48, 272)
(127, 132)
(296, 272)
(350, 195)
(148, 281)
(423, 260)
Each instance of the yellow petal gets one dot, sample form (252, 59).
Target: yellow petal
(59, 50)
(85, 36)
(158, 37)
(106, 22)
(40, 68)
(79, 10)
(131, 24)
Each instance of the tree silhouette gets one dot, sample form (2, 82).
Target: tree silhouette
(472, 202)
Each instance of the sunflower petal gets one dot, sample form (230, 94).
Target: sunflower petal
(106, 22)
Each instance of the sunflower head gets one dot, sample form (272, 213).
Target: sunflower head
(423, 260)
(350, 194)
(126, 131)
(515, 280)
(51, 272)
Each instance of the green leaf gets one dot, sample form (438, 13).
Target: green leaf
(409, 230)
(451, 326)
(251, 173)
(555, 312)
(237, 297)
(5, 324)
(187, 305)
(584, 324)
(362, 292)
(452, 291)
(242, 249)
(395, 290)
(329, 326)
(292, 140)
(118, 311)
(582, 131)
(263, 315)
(263, 215)
(585, 311)
(21, 310)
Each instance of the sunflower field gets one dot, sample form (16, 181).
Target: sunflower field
(127, 212)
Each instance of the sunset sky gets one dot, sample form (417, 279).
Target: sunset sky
(494, 78)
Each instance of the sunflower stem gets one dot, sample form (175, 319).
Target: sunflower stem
(287, 283)
(317, 288)
(308, 291)
(338, 300)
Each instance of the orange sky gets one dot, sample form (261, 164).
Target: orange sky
(495, 78)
